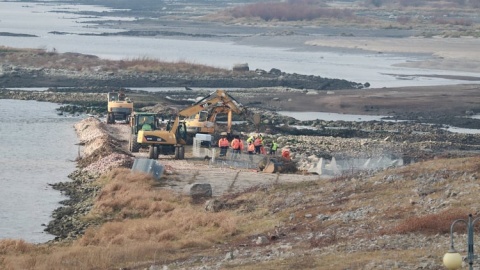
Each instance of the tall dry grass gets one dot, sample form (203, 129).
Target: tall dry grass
(139, 223)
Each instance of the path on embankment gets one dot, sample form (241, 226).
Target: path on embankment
(224, 177)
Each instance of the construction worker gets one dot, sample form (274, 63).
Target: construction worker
(273, 148)
(286, 154)
(250, 151)
(251, 139)
(258, 144)
(250, 148)
(223, 144)
(237, 146)
(146, 124)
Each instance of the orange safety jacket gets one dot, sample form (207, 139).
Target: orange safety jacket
(286, 154)
(257, 142)
(251, 147)
(236, 144)
(223, 142)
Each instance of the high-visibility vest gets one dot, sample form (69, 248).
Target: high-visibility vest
(251, 147)
(223, 142)
(257, 142)
(274, 146)
(236, 144)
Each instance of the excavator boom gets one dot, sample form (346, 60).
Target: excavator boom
(218, 102)
(218, 98)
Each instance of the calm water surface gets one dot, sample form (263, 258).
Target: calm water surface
(308, 116)
(37, 149)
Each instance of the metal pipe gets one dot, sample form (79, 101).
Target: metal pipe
(470, 243)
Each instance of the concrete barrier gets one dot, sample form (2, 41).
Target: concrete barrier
(149, 166)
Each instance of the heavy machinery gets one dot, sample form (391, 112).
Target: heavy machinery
(119, 107)
(203, 121)
(149, 130)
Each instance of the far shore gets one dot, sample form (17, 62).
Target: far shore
(453, 54)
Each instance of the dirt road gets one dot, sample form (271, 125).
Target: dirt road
(223, 175)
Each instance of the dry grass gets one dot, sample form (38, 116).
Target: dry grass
(146, 224)
(290, 11)
(15, 246)
(142, 225)
(80, 62)
(431, 224)
(407, 14)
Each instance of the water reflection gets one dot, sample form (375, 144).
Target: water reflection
(326, 116)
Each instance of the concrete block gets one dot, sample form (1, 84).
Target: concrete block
(148, 166)
(199, 190)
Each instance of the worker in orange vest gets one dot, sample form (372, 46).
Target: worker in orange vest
(286, 154)
(237, 146)
(258, 144)
(223, 144)
(250, 150)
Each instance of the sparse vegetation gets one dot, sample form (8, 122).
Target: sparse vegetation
(141, 224)
(40, 58)
(387, 14)
(290, 11)
(432, 223)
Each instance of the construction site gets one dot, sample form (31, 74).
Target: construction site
(147, 193)
(194, 136)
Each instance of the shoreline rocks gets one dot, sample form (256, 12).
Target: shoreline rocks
(101, 153)
(19, 76)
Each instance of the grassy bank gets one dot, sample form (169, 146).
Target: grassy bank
(352, 221)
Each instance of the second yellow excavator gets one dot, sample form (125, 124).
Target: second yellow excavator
(204, 121)
(119, 107)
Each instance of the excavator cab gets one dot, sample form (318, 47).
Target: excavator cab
(138, 122)
(148, 132)
(200, 123)
(201, 116)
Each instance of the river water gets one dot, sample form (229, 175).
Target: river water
(46, 20)
(37, 148)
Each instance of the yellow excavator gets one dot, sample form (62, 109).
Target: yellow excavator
(218, 102)
(119, 107)
(149, 130)
(161, 137)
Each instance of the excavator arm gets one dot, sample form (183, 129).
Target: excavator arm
(218, 102)
(218, 98)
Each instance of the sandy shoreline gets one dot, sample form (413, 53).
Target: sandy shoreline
(453, 54)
